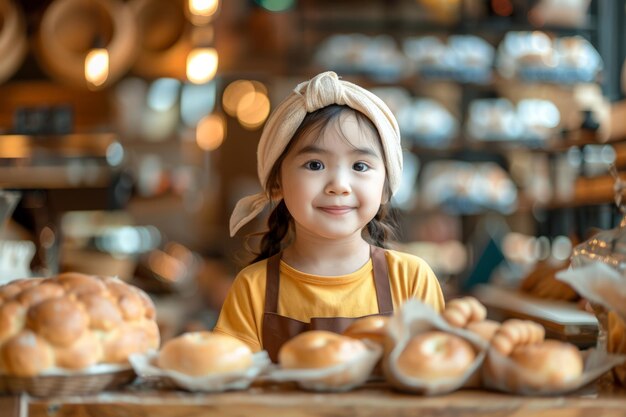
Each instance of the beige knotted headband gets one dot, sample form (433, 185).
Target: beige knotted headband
(321, 91)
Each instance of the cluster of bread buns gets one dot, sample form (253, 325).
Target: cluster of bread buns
(552, 362)
(204, 353)
(72, 321)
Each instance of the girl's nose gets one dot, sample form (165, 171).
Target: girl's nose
(338, 184)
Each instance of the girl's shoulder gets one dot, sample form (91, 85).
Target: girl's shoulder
(253, 273)
(406, 261)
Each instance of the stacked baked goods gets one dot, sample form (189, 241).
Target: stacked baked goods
(72, 321)
(204, 353)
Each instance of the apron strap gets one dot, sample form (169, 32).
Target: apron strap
(272, 283)
(381, 280)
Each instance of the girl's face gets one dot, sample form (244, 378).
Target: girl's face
(332, 181)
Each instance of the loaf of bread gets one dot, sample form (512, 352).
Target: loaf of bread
(204, 353)
(72, 321)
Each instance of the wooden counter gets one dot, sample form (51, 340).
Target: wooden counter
(598, 400)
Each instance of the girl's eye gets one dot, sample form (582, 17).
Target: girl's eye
(314, 165)
(360, 167)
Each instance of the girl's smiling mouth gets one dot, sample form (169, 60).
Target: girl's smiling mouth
(336, 209)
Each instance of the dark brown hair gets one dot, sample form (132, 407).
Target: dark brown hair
(377, 232)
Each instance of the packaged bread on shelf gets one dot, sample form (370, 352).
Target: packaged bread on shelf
(320, 360)
(603, 286)
(424, 354)
(521, 361)
(202, 361)
(71, 322)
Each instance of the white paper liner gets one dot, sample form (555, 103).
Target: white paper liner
(600, 284)
(503, 374)
(338, 378)
(414, 318)
(144, 366)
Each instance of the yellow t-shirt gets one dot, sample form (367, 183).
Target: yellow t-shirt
(302, 296)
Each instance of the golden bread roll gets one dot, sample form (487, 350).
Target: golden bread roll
(435, 354)
(204, 353)
(373, 328)
(319, 349)
(84, 352)
(461, 311)
(12, 318)
(127, 339)
(75, 283)
(555, 362)
(26, 354)
(486, 329)
(59, 320)
(516, 332)
(73, 321)
(35, 295)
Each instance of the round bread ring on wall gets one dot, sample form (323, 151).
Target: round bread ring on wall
(67, 63)
(165, 38)
(13, 42)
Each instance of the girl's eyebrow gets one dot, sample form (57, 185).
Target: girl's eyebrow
(317, 149)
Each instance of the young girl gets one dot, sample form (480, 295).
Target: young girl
(329, 160)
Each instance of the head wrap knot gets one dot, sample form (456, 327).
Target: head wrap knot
(322, 91)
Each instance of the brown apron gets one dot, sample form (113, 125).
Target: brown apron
(279, 329)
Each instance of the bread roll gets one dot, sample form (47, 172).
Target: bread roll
(554, 362)
(319, 349)
(26, 354)
(84, 352)
(436, 354)
(204, 353)
(76, 283)
(12, 318)
(35, 295)
(59, 320)
(373, 328)
(516, 332)
(486, 329)
(462, 311)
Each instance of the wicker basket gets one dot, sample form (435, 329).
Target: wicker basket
(74, 384)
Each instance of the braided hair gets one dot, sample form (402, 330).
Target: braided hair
(378, 231)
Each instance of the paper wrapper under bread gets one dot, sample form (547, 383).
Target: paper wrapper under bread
(338, 378)
(144, 366)
(414, 318)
